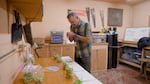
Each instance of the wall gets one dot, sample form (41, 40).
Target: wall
(13, 62)
(3, 16)
(7, 18)
(55, 12)
(141, 14)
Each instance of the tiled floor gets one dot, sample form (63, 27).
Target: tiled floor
(123, 74)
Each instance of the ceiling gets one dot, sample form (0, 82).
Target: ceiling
(129, 2)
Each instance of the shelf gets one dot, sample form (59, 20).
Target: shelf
(133, 45)
(130, 63)
(148, 69)
(148, 47)
(130, 45)
(31, 9)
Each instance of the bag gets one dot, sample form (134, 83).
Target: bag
(144, 41)
(16, 29)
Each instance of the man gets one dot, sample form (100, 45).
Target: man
(80, 32)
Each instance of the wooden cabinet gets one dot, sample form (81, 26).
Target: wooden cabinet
(99, 57)
(68, 50)
(124, 59)
(48, 50)
(43, 51)
(62, 49)
(55, 49)
(132, 45)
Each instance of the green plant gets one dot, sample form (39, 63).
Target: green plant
(65, 66)
(38, 79)
(78, 82)
(27, 77)
(57, 57)
(69, 72)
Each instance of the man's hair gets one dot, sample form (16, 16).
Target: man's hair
(72, 14)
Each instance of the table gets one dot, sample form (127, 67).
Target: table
(50, 77)
(81, 73)
(58, 77)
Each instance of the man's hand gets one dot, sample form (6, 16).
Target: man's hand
(70, 35)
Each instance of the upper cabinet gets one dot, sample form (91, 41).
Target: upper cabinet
(32, 10)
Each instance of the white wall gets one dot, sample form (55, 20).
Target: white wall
(12, 63)
(3, 17)
(55, 12)
(141, 14)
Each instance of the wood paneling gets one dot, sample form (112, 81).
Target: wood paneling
(31, 9)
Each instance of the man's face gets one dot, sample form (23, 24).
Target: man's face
(74, 21)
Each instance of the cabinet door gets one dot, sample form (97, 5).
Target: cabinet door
(43, 51)
(102, 57)
(55, 50)
(94, 60)
(99, 57)
(68, 51)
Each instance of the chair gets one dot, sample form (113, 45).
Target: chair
(144, 71)
(143, 44)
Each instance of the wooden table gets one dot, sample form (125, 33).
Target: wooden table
(50, 77)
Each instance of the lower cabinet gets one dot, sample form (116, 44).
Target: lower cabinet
(55, 49)
(62, 49)
(99, 57)
(68, 50)
(43, 51)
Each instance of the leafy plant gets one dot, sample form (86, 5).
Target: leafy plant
(38, 79)
(27, 77)
(69, 72)
(57, 57)
(65, 66)
(78, 82)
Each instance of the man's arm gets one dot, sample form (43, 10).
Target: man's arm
(72, 36)
(77, 37)
(82, 38)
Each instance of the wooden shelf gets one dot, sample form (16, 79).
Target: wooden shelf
(31, 9)
(130, 63)
(128, 43)
(134, 45)
(148, 69)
